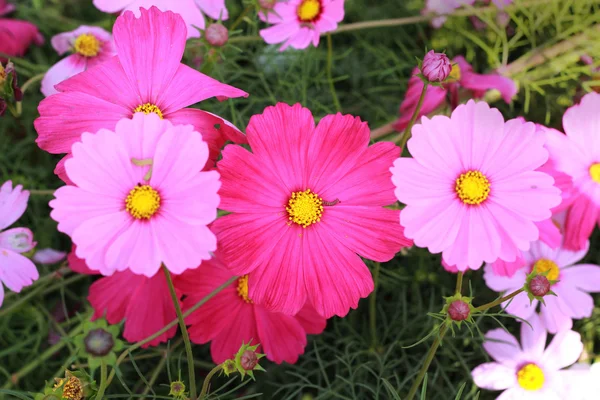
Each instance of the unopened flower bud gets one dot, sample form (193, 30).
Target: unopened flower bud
(459, 310)
(539, 286)
(177, 389)
(216, 35)
(436, 67)
(267, 4)
(249, 360)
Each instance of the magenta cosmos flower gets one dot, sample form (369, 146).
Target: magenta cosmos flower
(139, 198)
(16, 35)
(231, 318)
(462, 76)
(302, 204)
(89, 46)
(528, 370)
(297, 23)
(577, 154)
(575, 281)
(143, 302)
(16, 270)
(471, 191)
(146, 76)
(190, 10)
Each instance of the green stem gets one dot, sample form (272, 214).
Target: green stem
(336, 101)
(373, 307)
(32, 80)
(206, 383)
(184, 333)
(407, 132)
(42, 192)
(103, 383)
(169, 325)
(459, 282)
(498, 301)
(240, 18)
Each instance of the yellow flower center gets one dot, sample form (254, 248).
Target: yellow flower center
(242, 288)
(544, 265)
(87, 45)
(595, 172)
(148, 108)
(72, 389)
(305, 208)
(309, 10)
(2, 74)
(142, 202)
(472, 187)
(455, 73)
(531, 377)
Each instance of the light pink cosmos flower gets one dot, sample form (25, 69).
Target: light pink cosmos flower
(231, 318)
(190, 10)
(16, 270)
(575, 281)
(90, 46)
(577, 154)
(147, 75)
(443, 8)
(139, 198)
(16, 35)
(529, 370)
(297, 23)
(303, 203)
(48, 256)
(463, 78)
(471, 190)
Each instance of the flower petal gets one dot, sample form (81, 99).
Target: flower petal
(564, 350)
(16, 271)
(13, 203)
(281, 336)
(533, 336)
(502, 347)
(494, 376)
(19, 240)
(62, 70)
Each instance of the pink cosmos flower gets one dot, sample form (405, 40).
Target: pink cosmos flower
(48, 256)
(139, 199)
(577, 154)
(16, 270)
(145, 303)
(435, 97)
(190, 10)
(231, 318)
(146, 76)
(297, 23)
(302, 204)
(90, 46)
(15, 35)
(6, 7)
(471, 191)
(443, 8)
(575, 281)
(529, 370)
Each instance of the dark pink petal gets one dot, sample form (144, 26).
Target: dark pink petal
(242, 329)
(581, 218)
(282, 337)
(482, 83)
(312, 322)
(16, 36)
(508, 268)
(78, 264)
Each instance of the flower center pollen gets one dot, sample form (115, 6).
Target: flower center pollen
(472, 187)
(455, 73)
(544, 265)
(87, 45)
(305, 208)
(309, 10)
(148, 108)
(531, 377)
(142, 202)
(595, 172)
(242, 288)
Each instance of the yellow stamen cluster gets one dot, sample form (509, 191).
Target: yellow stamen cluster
(242, 288)
(472, 187)
(595, 172)
(305, 208)
(142, 202)
(87, 45)
(72, 389)
(2, 74)
(309, 10)
(531, 377)
(455, 73)
(148, 108)
(544, 265)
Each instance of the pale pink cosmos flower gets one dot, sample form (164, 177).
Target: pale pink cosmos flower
(443, 8)
(139, 198)
(577, 154)
(190, 10)
(575, 282)
(297, 23)
(48, 256)
(89, 46)
(16, 270)
(528, 370)
(471, 190)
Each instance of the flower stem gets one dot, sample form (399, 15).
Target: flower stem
(407, 132)
(459, 282)
(103, 384)
(184, 333)
(204, 391)
(499, 301)
(241, 17)
(373, 307)
(31, 81)
(336, 101)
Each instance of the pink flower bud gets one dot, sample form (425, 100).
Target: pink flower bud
(267, 4)
(436, 67)
(459, 310)
(249, 360)
(539, 286)
(216, 35)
